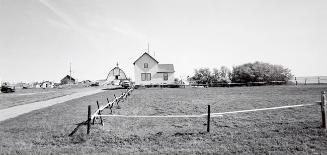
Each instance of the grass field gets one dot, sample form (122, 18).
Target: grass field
(287, 131)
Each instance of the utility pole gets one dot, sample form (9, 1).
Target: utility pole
(148, 48)
(70, 72)
(154, 53)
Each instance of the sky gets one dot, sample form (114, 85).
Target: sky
(40, 38)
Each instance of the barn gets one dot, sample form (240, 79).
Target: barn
(115, 75)
(67, 80)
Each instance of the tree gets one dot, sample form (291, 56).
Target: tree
(215, 75)
(224, 74)
(260, 72)
(202, 75)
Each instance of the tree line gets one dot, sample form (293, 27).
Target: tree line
(245, 73)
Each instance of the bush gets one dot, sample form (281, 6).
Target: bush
(260, 72)
(205, 76)
(202, 76)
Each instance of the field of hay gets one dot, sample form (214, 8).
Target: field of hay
(283, 131)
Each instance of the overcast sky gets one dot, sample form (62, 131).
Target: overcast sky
(38, 38)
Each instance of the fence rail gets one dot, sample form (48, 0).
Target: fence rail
(97, 114)
(265, 109)
(161, 116)
(110, 104)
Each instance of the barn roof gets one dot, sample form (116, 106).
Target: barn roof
(68, 77)
(117, 71)
(143, 55)
(166, 68)
(116, 68)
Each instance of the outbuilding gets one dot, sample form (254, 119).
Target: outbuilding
(67, 80)
(115, 76)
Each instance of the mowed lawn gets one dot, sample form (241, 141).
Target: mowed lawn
(283, 131)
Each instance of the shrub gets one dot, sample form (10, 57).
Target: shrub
(202, 76)
(205, 76)
(246, 73)
(260, 72)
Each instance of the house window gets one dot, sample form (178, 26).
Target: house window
(143, 76)
(165, 76)
(146, 65)
(146, 76)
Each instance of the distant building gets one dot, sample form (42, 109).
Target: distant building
(115, 76)
(22, 85)
(67, 80)
(36, 85)
(148, 71)
(86, 83)
(47, 84)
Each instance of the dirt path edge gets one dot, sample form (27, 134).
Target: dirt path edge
(26, 108)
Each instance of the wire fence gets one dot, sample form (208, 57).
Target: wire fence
(310, 80)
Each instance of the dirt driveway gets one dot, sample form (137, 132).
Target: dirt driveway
(22, 109)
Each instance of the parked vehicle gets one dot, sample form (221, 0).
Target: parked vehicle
(125, 84)
(94, 84)
(6, 88)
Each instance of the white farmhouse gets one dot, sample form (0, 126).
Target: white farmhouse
(148, 71)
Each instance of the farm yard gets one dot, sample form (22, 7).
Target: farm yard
(291, 131)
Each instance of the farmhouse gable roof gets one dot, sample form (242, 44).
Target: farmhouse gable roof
(166, 68)
(145, 53)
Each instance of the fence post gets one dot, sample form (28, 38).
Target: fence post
(318, 80)
(108, 102)
(88, 119)
(99, 113)
(94, 117)
(323, 109)
(117, 101)
(208, 119)
(305, 81)
(110, 106)
(123, 96)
